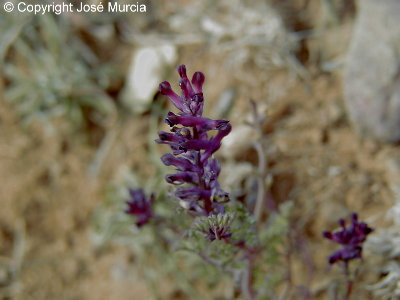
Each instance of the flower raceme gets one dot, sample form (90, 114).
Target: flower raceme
(192, 148)
(140, 206)
(351, 238)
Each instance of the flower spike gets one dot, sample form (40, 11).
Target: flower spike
(351, 238)
(192, 148)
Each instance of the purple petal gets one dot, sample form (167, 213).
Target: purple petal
(196, 144)
(182, 71)
(198, 81)
(335, 257)
(187, 89)
(196, 105)
(203, 124)
(192, 193)
(215, 142)
(327, 234)
(351, 253)
(166, 90)
(166, 137)
(214, 167)
(182, 164)
(182, 177)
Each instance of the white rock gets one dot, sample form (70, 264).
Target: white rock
(145, 73)
(372, 76)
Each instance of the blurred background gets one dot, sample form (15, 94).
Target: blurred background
(80, 109)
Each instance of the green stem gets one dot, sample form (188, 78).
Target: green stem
(349, 281)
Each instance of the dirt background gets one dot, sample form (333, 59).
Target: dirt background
(315, 158)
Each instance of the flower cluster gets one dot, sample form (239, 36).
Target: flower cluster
(192, 148)
(351, 238)
(139, 206)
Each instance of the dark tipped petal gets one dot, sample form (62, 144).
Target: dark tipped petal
(335, 257)
(224, 126)
(182, 71)
(182, 164)
(181, 178)
(367, 230)
(198, 81)
(171, 119)
(169, 137)
(215, 142)
(192, 193)
(204, 124)
(165, 89)
(168, 159)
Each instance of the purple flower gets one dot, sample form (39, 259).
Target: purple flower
(351, 238)
(139, 206)
(192, 147)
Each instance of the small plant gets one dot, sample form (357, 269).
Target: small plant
(198, 171)
(351, 238)
(231, 241)
(223, 231)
